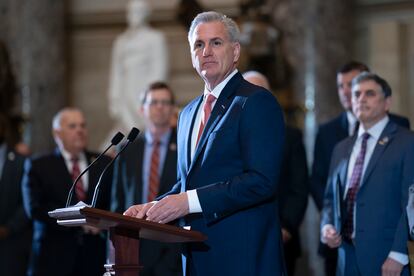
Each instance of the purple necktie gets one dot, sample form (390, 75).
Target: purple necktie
(353, 188)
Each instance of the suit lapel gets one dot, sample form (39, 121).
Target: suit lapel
(220, 108)
(169, 159)
(187, 128)
(384, 140)
(343, 170)
(92, 176)
(137, 188)
(59, 167)
(344, 126)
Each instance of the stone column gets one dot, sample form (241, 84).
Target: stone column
(317, 39)
(34, 32)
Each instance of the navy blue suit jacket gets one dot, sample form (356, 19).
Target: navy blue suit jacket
(15, 248)
(235, 169)
(157, 258)
(56, 249)
(330, 134)
(380, 222)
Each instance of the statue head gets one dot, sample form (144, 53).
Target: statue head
(137, 12)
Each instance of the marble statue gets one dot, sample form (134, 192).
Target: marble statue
(139, 58)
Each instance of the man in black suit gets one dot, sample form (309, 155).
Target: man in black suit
(329, 134)
(59, 250)
(148, 169)
(293, 189)
(15, 226)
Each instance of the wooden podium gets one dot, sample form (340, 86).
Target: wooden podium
(125, 233)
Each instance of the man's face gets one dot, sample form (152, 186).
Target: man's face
(213, 55)
(72, 133)
(344, 84)
(158, 108)
(369, 103)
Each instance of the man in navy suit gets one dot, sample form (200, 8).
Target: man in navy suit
(367, 192)
(59, 250)
(15, 226)
(230, 142)
(132, 174)
(293, 185)
(331, 133)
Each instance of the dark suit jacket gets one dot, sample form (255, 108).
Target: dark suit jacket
(329, 134)
(157, 258)
(14, 250)
(381, 224)
(59, 250)
(235, 170)
(293, 189)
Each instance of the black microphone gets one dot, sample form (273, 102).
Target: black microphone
(131, 137)
(115, 141)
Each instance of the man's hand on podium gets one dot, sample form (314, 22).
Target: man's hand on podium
(167, 209)
(140, 210)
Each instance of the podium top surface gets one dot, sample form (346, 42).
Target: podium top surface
(124, 225)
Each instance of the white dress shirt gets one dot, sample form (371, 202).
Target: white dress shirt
(375, 133)
(193, 201)
(83, 163)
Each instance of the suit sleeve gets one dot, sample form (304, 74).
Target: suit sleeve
(319, 171)
(261, 138)
(296, 197)
(402, 233)
(34, 192)
(18, 221)
(327, 215)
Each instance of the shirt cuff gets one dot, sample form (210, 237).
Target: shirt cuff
(399, 257)
(193, 202)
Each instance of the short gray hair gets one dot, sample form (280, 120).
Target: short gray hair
(58, 117)
(212, 16)
(367, 76)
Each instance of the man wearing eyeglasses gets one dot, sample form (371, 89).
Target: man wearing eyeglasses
(148, 169)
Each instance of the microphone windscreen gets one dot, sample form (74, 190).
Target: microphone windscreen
(133, 134)
(117, 138)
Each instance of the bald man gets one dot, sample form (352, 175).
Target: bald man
(59, 250)
(293, 187)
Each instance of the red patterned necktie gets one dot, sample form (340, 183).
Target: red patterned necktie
(79, 189)
(154, 178)
(207, 111)
(353, 188)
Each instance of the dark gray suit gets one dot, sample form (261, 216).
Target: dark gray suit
(380, 219)
(59, 250)
(15, 249)
(157, 258)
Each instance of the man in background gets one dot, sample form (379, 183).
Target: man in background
(293, 185)
(367, 192)
(15, 226)
(329, 134)
(148, 169)
(59, 250)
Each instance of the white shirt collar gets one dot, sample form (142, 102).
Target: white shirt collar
(352, 121)
(164, 139)
(68, 156)
(376, 130)
(217, 90)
